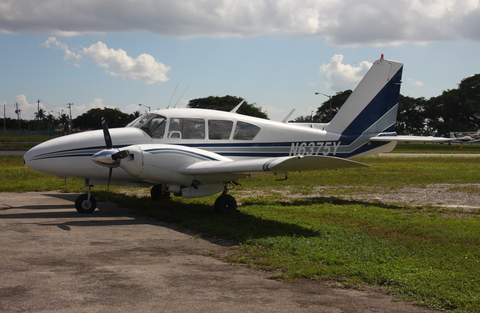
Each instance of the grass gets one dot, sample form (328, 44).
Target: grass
(20, 143)
(437, 148)
(418, 254)
(15, 177)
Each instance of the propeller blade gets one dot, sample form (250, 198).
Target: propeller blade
(106, 134)
(108, 184)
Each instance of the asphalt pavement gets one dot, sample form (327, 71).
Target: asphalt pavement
(54, 259)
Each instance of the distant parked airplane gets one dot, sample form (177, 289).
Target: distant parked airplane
(464, 139)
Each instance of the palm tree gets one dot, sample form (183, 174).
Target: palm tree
(40, 116)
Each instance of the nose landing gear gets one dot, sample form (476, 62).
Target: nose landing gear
(86, 203)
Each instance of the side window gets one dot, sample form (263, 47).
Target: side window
(219, 130)
(186, 128)
(245, 131)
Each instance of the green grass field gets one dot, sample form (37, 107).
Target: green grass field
(20, 143)
(426, 255)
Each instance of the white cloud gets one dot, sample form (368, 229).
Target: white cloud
(27, 110)
(131, 108)
(340, 22)
(343, 76)
(416, 83)
(276, 114)
(97, 103)
(116, 62)
(53, 43)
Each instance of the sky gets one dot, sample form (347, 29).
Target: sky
(274, 53)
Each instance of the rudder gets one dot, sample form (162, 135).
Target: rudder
(372, 107)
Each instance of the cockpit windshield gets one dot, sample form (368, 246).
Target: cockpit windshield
(152, 124)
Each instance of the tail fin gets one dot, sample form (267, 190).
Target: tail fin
(372, 107)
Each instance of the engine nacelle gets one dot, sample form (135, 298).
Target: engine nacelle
(159, 164)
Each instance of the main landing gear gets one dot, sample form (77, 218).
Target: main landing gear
(86, 203)
(225, 204)
(158, 192)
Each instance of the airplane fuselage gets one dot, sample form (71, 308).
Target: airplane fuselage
(225, 134)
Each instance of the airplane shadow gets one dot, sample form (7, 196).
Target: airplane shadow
(107, 214)
(188, 218)
(191, 219)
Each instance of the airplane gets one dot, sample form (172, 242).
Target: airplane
(196, 152)
(464, 139)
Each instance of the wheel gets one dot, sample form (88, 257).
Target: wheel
(225, 204)
(83, 205)
(158, 192)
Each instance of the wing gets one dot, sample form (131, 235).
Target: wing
(411, 138)
(269, 165)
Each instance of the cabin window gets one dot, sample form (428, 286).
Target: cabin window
(219, 130)
(152, 124)
(186, 128)
(245, 131)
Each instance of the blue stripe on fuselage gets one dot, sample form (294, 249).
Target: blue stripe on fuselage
(230, 149)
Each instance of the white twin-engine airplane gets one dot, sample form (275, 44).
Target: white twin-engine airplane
(196, 152)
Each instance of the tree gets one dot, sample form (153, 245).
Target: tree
(93, 118)
(227, 103)
(325, 113)
(411, 117)
(40, 116)
(456, 109)
(52, 120)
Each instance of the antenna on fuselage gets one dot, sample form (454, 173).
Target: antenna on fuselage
(285, 120)
(172, 96)
(234, 110)
(181, 96)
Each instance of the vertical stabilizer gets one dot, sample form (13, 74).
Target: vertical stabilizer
(372, 107)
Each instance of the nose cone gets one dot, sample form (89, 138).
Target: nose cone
(56, 156)
(71, 156)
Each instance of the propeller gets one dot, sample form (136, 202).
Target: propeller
(109, 144)
(106, 134)
(109, 157)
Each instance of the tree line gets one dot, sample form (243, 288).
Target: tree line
(455, 110)
(87, 121)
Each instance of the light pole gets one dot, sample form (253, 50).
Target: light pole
(149, 109)
(330, 97)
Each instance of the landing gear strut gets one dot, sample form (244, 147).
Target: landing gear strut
(158, 192)
(86, 203)
(225, 204)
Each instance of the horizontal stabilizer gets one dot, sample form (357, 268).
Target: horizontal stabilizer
(411, 138)
(281, 164)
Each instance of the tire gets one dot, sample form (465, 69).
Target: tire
(84, 206)
(225, 204)
(158, 193)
